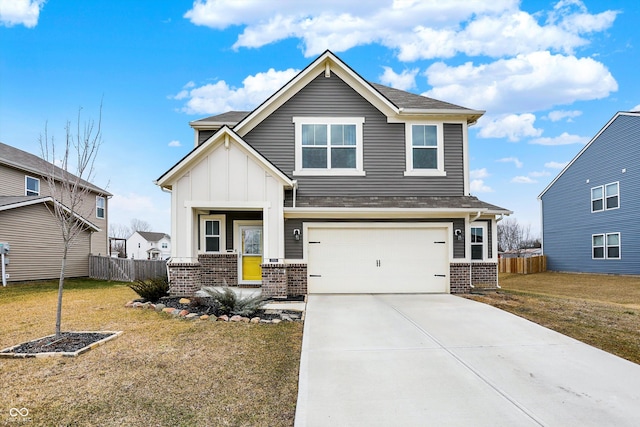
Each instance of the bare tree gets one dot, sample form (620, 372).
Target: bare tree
(139, 225)
(70, 190)
(512, 236)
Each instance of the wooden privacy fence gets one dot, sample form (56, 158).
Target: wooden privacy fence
(124, 269)
(529, 265)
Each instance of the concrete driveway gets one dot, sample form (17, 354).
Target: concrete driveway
(442, 360)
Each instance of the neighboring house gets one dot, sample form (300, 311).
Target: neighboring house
(521, 253)
(33, 233)
(149, 245)
(332, 185)
(590, 210)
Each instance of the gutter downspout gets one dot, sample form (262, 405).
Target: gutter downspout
(497, 221)
(470, 261)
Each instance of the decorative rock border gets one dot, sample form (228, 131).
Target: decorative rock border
(6, 353)
(187, 315)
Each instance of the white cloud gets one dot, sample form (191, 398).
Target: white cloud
(479, 173)
(511, 126)
(478, 186)
(558, 115)
(513, 160)
(556, 165)
(529, 82)
(403, 81)
(523, 180)
(414, 29)
(219, 97)
(20, 12)
(564, 139)
(539, 174)
(636, 108)
(175, 143)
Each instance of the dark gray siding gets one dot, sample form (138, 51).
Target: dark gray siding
(383, 146)
(568, 222)
(293, 249)
(203, 135)
(231, 216)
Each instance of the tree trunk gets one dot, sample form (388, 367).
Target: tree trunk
(60, 288)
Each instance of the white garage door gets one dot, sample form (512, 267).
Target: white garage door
(384, 259)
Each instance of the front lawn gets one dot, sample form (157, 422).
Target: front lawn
(600, 310)
(160, 371)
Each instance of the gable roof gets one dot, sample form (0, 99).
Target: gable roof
(151, 236)
(16, 202)
(586, 147)
(227, 135)
(33, 164)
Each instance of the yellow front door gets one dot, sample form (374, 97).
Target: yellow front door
(251, 252)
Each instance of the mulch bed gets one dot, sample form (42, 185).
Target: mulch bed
(69, 343)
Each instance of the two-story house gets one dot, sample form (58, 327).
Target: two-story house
(149, 245)
(590, 210)
(332, 185)
(28, 225)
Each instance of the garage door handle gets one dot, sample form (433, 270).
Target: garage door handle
(440, 275)
(443, 242)
(315, 275)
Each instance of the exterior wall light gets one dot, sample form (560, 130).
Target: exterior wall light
(296, 234)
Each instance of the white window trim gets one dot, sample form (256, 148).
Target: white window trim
(604, 197)
(299, 121)
(485, 243)
(410, 171)
(26, 189)
(605, 246)
(223, 234)
(103, 207)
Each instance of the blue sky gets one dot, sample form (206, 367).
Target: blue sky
(549, 74)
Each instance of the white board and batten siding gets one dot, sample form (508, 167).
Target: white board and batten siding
(227, 178)
(378, 258)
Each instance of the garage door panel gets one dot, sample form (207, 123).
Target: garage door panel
(377, 260)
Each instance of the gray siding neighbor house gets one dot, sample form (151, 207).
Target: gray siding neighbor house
(332, 185)
(27, 224)
(590, 210)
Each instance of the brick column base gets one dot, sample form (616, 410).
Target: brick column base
(184, 278)
(483, 274)
(296, 279)
(274, 281)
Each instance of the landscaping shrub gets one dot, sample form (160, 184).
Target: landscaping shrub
(151, 289)
(229, 303)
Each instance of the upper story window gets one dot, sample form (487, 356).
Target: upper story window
(31, 186)
(100, 207)
(478, 242)
(328, 145)
(164, 245)
(425, 149)
(605, 246)
(605, 197)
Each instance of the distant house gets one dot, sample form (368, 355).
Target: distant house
(149, 245)
(332, 185)
(590, 210)
(27, 224)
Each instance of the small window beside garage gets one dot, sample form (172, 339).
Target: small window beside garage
(478, 242)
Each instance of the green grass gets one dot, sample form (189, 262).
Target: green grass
(161, 371)
(600, 310)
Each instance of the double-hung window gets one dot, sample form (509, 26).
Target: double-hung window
(424, 148)
(212, 234)
(478, 242)
(605, 197)
(328, 145)
(100, 207)
(605, 246)
(31, 186)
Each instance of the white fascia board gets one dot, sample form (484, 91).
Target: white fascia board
(304, 78)
(449, 116)
(213, 204)
(619, 113)
(377, 212)
(26, 203)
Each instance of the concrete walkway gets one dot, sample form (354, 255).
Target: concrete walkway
(441, 360)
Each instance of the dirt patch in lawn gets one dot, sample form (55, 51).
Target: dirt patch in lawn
(588, 308)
